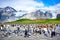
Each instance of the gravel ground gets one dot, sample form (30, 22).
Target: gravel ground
(32, 37)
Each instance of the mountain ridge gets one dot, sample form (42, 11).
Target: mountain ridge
(8, 14)
(37, 15)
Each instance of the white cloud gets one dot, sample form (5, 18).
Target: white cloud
(22, 4)
(28, 5)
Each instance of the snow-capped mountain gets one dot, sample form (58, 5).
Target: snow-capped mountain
(37, 15)
(7, 13)
(48, 14)
(10, 14)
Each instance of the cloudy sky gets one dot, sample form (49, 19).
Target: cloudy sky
(31, 5)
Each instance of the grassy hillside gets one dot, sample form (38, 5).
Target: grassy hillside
(41, 21)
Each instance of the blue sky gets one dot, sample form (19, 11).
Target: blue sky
(49, 2)
(31, 5)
